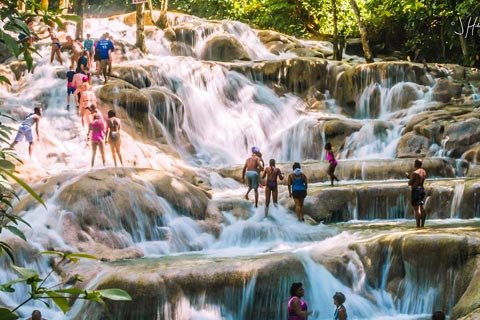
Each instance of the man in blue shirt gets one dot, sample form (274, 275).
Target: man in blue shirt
(105, 48)
(82, 62)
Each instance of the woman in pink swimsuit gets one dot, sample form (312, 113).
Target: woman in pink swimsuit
(297, 307)
(332, 162)
(96, 130)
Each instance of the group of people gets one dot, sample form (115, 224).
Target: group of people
(85, 54)
(297, 307)
(297, 181)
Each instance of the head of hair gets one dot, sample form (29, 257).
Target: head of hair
(296, 165)
(85, 52)
(93, 107)
(328, 146)
(37, 110)
(272, 162)
(294, 288)
(339, 297)
(418, 163)
(85, 79)
(36, 315)
(88, 35)
(111, 113)
(95, 117)
(438, 315)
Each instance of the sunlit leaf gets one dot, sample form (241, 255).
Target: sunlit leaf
(6, 314)
(25, 273)
(16, 232)
(23, 185)
(59, 300)
(115, 294)
(75, 291)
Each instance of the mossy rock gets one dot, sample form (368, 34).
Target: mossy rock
(224, 48)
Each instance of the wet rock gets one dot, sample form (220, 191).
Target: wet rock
(412, 145)
(182, 49)
(169, 34)
(337, 130)
(224, 48)
(461, 135)
(444, 90)
(136, 76)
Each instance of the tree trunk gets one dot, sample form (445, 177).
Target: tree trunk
(140, 22)
(463, 45)
(79, 4)
(63, 6)
(363, 32)
(162, 21)
(21, 5)
(336, 51)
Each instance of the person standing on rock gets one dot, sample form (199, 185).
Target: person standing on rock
(96, 131)
(297, 189)
(416, 180)
(87, 98)
(340, 311)
(25, 129)
(271, 188)
(332, 162)
(297, 307)
(113, 136)
(105, 48)
(252, 169)
(70, 85)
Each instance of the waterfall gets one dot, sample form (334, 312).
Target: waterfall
(457, 200)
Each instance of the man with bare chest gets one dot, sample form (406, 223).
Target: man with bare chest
(251, 170)
(416, 180)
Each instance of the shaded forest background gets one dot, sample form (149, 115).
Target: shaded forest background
(395, 27)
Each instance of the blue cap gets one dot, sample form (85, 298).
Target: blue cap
(255, 149)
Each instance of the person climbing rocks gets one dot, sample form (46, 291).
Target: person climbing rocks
(25, 129)
(88, 46)
(251, 170)
(297, 189)
(70, 85)
(332, 162)
(297, 307)
(96, 131)
(105, 48)
(82, 63)
(87, 98)
(113, 136)
(271, 187)
(340, 311)
(416, 180)
(55, 47)
(76, 47)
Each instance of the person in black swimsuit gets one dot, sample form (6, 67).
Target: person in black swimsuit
(271, 188)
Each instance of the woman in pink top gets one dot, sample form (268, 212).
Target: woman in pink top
(297, 307)
(97, 131)
(332, 161)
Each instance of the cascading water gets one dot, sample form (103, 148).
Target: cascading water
(212, 115)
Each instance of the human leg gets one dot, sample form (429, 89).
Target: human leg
(117, 149)
(298, 210)
(101, 146)
(256, 197)
(423, 216)
(275, 196)
(418, 214)
(94, 151)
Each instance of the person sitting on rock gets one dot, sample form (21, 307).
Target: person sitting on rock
(416, 180)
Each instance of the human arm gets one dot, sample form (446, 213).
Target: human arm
(297, 308)
(280, 174)
(243, 172)
(411, 178)
(289, 183)
(305, 181)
